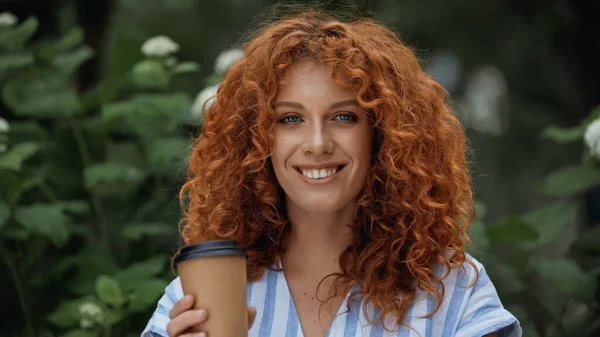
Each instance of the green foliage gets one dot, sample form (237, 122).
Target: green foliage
(87, 194)
(85, 218)
(546, 269)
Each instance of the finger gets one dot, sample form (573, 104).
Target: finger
(185, 320)
(182, 305)
(251, 316)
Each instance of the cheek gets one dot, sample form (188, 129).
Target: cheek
(361, 146)
(282, 151)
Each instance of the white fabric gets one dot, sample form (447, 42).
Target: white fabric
(465, 312)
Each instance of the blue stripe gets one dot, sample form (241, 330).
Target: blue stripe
(269, 311)
(506, 332)
(162, 310)
(482, 281)
(458, 295)
(404, 331)
(351, 319)
(249, 293)
(292, 320)
(502, 328)
(491, 305)
(158, 330)
(429, 320)
(376, 329)
(170, 291)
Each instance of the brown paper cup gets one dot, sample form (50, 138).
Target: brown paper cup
(215, 273)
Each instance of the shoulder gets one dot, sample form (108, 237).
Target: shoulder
(471, 305)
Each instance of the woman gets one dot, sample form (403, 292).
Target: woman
(335, 161)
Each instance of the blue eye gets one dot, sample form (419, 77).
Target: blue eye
(291, 119)
(345, 117)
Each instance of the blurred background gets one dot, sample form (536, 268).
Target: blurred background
(100, 99)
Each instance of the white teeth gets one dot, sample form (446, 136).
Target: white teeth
(318, 174)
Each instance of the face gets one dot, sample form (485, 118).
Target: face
(323, 141)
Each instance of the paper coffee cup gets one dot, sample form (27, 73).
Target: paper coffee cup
(215, 273)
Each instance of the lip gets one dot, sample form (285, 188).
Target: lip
(318, 166)
(321, 180)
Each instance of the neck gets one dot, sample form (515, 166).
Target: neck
(317, 240)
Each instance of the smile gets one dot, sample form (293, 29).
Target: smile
(320, 174)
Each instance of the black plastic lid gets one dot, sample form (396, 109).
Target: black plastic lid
(208, 249)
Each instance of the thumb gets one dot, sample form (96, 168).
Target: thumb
(251, 316)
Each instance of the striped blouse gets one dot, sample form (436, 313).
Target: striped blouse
(465, 311)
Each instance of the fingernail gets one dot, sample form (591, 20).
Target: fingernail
(202, 334)
(200, 314)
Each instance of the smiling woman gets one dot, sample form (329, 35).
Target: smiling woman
(334, 160)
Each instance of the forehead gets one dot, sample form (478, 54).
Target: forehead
(311, 80)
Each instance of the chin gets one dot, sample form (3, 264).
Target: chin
(321, 205)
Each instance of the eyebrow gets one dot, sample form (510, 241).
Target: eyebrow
(332, 106)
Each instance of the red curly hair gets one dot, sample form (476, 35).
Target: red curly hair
(414, 210)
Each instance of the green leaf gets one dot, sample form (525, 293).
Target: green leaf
(588, 240)
(13, 61)
(41, 93)
(21, 132)
(567, 276)
(75, 206)
(512, 230)
(571, 180)
(140, 272)
(81, 333)
(45, 219)
(138, 230)
(149, 115)
(113, 316)
(13, 184)
(71, 39)
(480, 210)
(4, 212)
(506, 276)
(564, 135)
(109, 291)
(15, 38)
(186, 67)
(150, 74)
(100, 173)
(551, 221)
(147, 294)
(91, 262)
(164, 152)
(18, 234)
(13, 159)
(69, 62)
(64, 316)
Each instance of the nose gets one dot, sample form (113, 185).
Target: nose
(318, 140)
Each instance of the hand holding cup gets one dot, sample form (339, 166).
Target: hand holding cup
(213, 279)
(183, 317)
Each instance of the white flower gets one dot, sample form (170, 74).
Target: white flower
(4, 127)
(226, 59)
(90, 312)
(7, 19)
(592, 137)
(86, 323)
(207, 94)
(159, 46)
